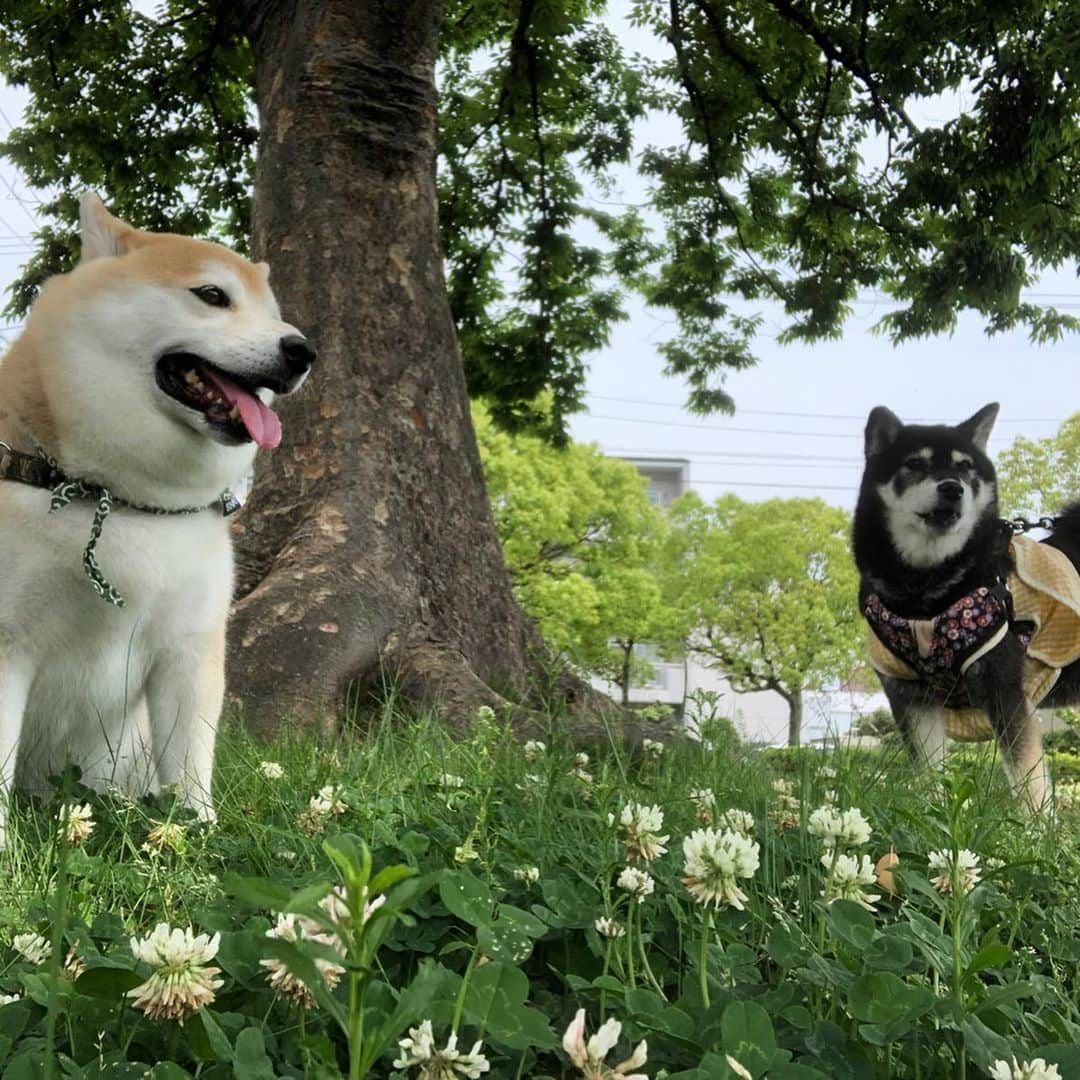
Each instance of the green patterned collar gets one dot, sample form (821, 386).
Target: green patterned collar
(40, 470)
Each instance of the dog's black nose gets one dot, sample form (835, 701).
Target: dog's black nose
(299, 353)
(951, 490)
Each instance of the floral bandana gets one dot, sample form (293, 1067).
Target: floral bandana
(940, 649)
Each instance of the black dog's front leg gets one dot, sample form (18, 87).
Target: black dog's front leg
(919, 718)
(995, 683)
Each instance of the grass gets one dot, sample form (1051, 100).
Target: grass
(930, 984)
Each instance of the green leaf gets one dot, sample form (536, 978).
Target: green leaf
(990, 956)
(206, 1039)
(1064, 1055)
(467, 897)
(13, 1019)
(748, 1035)
(414, 843)
(351, 856)
(852, 923)
(495, 1001)
(107, 982)
(510, 937)
(882, 997)
(258, 892)
(388, 877)
(250, 1060)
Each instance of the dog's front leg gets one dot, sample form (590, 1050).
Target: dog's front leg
(920, 720)
(185, 691)
(15, 680)
(995, 683)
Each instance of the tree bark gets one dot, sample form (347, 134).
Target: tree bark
(795, 716)
(368, 550)
(624, 673)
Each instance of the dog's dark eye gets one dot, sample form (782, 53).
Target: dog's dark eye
(916, 464)
(964, 466)
(212, 295)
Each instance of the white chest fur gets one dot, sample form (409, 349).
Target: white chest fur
(80, 678)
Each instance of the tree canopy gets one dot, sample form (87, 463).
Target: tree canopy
(1041, 476)
(769, 591)
(583, 546)
(800, 167)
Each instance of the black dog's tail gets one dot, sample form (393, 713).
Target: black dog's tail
(1066, 534)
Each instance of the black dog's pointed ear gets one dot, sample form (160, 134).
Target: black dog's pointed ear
(882, 428)
(977, 428)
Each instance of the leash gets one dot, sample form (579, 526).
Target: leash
(41, 470)
(1017, 525)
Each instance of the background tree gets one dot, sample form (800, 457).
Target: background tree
(582, 543)
(1040, 476)
(800, 175)
(770, 593)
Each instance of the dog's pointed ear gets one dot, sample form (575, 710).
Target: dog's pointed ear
(977, 428)
(100, 232)
(882, 429)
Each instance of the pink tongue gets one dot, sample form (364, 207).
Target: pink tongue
(261, 421)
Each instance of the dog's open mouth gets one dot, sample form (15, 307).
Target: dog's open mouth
(229, 404)
(944, 517)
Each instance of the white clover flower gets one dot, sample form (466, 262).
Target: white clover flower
(529, 874)
(705, 802)
(271, 770)
(449, 781)
(534, 750)
(610, 928)
(1037, 1069)
(966, 868)
(485, 714)
(737, 821)
(652, 748)
(32, 947)
(641, 827)
(336, 906)
(79, 824)
(166, 834)
(297, 928)
(830, 797)
(589, 1056)
(181, 983)
(828, 772)
(324, 805)
(847, 878)
(637, 883)
(713, 861)
(786, 814)
(418, 1048)
(845, 827)
(580, 769)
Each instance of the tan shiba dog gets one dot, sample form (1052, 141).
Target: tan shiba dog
(132, 402)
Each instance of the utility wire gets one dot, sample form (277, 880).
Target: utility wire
(822, 416)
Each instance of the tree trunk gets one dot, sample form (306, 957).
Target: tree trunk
(368, 550)
(624, 673)
(795, 712)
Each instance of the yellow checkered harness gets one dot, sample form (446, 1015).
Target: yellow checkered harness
(1045, 588)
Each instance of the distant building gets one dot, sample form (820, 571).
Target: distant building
(668, 478)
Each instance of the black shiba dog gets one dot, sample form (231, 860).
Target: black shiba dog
(941, 588)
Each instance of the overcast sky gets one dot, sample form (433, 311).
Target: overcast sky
(800, 412)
